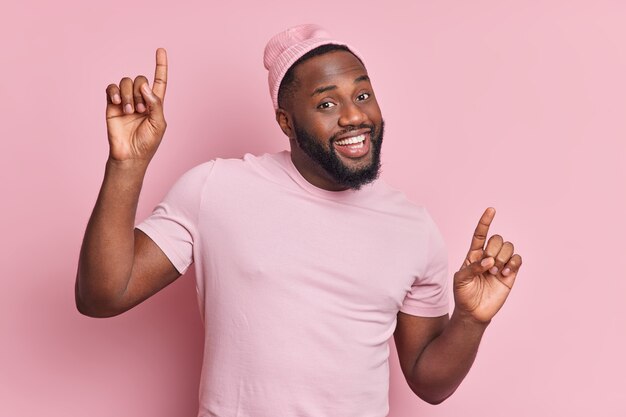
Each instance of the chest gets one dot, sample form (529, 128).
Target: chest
(285, 246)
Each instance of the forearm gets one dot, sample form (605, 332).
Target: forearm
(447, 359)
(107, 252)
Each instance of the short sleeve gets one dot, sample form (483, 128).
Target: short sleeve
(173, 222)
(430, 294)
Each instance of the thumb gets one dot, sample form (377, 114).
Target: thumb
(154, 104)
(475, 268)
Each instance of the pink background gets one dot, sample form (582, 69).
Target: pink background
(519, 105)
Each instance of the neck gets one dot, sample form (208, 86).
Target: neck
(311, 171)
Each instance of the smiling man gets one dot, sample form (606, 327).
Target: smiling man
(306, 262)
(333, 149)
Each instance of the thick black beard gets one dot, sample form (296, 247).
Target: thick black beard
(330, 162)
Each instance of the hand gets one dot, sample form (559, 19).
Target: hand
(134, 114)
(487, 275)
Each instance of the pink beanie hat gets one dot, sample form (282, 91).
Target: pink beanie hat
(285, 48)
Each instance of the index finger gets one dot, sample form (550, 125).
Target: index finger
(160, 74)
(480, 234)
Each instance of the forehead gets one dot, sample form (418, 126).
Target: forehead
(329, 68)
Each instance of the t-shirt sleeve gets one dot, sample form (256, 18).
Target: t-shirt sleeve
(173, 222)
(430, 294)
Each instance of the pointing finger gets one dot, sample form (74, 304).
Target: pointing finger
(480, 233)
(160, 74)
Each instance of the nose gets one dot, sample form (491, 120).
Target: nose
(352, 115)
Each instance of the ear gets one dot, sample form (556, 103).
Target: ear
(284, 121)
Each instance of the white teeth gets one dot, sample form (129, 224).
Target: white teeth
(349, 141)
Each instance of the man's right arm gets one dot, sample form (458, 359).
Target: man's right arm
(119, 266)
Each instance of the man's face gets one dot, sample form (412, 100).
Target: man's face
(337, 124)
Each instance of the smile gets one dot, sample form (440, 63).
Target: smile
(353, 147)
(350, 141)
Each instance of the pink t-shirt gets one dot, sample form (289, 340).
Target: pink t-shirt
(299, 287)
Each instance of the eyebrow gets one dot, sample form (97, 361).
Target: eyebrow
(320, 90)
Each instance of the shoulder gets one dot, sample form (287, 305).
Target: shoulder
(248, 162)
(202, 171)
(192, 180)
(199, 171)
(396, 201)
(412, 216)
(250, 169)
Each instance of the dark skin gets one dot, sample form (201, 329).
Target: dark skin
(119, 266)
(334, 94)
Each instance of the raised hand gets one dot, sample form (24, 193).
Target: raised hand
(134, 114)
(483, 283)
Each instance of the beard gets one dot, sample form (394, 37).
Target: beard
(333, 165)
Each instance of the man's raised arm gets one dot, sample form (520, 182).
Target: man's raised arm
(119, 266)
(436, 353)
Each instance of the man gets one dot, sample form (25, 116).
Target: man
(306, 263)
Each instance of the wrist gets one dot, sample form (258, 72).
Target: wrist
(468, 320)
(128, 166)
(123, 176)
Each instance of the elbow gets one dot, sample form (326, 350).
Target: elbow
(87, 310)
(96, 308)
(433, 400)
(430, 395)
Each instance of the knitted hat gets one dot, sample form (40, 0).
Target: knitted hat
(285, 48)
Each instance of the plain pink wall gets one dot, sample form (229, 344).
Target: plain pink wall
(519, 105)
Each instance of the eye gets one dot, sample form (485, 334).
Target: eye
(326, 105)
(363, 96)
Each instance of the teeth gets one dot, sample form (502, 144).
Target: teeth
(349, 141)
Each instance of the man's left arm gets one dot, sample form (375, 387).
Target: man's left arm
(437, 353)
